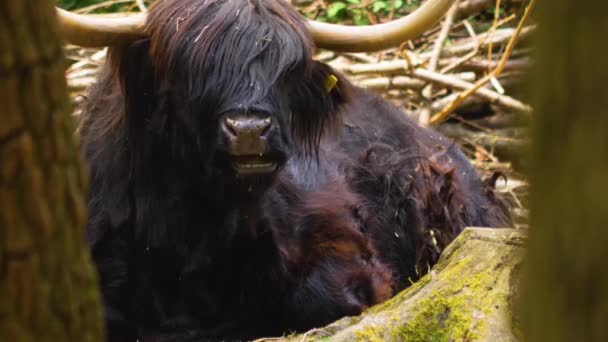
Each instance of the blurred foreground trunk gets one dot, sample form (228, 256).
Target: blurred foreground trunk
(566, 284)
(48, 288)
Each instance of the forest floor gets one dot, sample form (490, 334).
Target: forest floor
(480, 44)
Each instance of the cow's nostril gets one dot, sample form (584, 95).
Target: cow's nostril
(231, 126)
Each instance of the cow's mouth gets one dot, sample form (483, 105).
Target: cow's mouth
(253, 165)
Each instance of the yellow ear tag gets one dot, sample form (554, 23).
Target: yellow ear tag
(330, 82)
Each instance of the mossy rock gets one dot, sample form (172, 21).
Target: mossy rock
(468, 296)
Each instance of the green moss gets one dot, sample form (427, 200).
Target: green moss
(371, 334)
(447, 313)
(440, 319)
(378, 333)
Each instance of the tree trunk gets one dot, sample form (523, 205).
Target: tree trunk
(566, 284)
(48, 288)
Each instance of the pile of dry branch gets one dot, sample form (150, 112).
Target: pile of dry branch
(466, 77)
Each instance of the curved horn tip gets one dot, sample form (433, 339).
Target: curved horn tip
(95, 31)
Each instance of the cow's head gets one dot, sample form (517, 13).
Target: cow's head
(242, 73)
(231, 84)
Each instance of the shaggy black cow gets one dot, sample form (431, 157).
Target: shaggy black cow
(185, 133)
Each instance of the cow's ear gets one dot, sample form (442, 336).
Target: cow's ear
(317, 105)
(334, 84)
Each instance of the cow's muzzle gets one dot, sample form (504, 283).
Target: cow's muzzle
(247, 138)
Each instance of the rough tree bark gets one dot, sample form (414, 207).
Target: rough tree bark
(48, 288)
(566, 287)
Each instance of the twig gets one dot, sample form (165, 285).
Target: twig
(403, 82)
(454, 83)
(480, 41)
(510, 141)
(482, 64)
(468, 56)
(362, 57)
(441, 38)
(323, 332)
(444, 114)
(501, 36)
(493, 80)
(494, 26)
(386, 83)
(427, 92)
(388, 67)
(398, 65)
(476, 102)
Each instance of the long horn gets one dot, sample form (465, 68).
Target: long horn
(382, 36)
(91, 31)
(94, 31)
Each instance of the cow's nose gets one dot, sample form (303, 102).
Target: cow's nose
(247, 126)
(246, 134)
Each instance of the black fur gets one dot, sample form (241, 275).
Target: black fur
(302, 261)
(185, 247)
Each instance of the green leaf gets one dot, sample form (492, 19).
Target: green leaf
(335, 9)
(398, 4)
(359, 18)
(379, 6)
